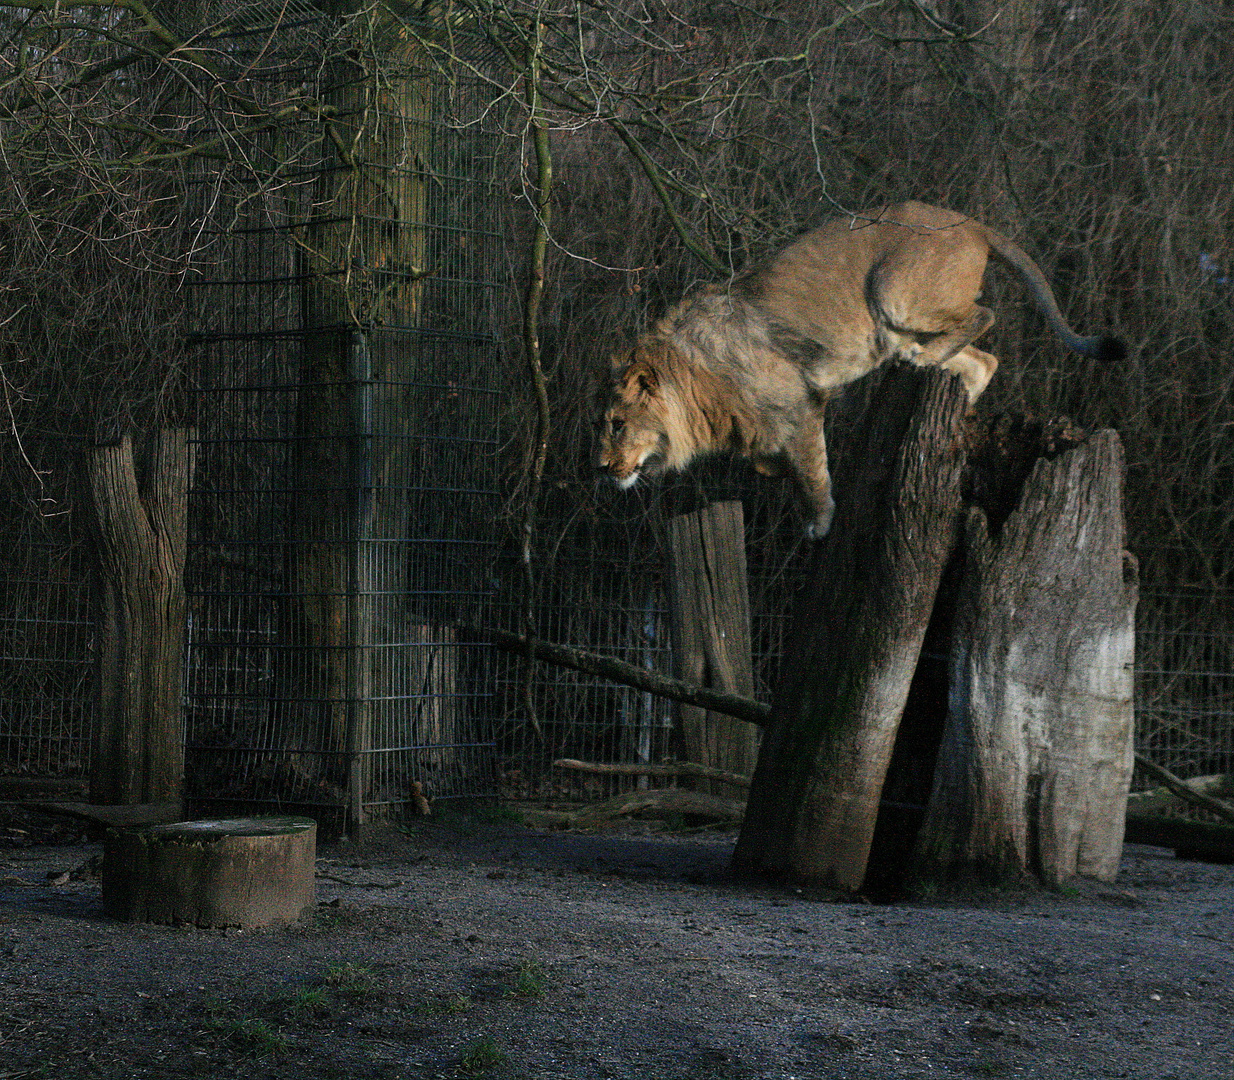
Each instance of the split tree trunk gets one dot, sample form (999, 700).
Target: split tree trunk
(859, 626)
(139, 520)
(1036, 756)
(709, 606)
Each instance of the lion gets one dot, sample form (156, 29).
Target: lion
(747, 366)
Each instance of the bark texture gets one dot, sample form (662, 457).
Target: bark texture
(1036, 756)
(709, 607)
(139, 519)
(364, 260)
(858, 630)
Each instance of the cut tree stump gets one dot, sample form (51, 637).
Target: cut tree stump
(1036, 756)
(245, 872)
(814, 797)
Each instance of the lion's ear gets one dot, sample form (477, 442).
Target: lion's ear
(641, 376)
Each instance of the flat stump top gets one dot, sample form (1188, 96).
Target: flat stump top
(217, 829)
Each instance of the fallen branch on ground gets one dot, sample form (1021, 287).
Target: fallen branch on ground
(665, 768)
(1183, 791)
(1202, 840)
(659, 801)
(1161, 800)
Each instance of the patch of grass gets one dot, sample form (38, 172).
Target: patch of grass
(250, 1036)
(530, 981)
(482, 1056)
(353, 979)
(444, 1005)
(309, 999)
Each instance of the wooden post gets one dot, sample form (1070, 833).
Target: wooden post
(1036, 756)
(858, 631)
(140, 530)
(709, 607)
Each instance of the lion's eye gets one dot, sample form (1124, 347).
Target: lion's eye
(616, 425)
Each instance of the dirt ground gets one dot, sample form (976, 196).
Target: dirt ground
(489, 949)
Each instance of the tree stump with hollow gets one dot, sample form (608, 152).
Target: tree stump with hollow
(1029, 741)
(1036, 753)
(244, 872)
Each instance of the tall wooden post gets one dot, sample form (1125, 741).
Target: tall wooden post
(139, 520)
(857, 635)
(709, 607)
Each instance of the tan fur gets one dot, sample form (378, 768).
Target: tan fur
(748, 366)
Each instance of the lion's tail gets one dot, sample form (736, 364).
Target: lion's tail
(1100, 347)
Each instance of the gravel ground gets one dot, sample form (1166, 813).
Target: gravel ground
(482, 949)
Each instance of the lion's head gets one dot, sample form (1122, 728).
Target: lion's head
(644, 428)
(631, 433)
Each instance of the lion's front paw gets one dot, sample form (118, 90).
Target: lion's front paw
(821, 525)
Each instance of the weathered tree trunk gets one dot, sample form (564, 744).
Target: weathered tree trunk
(365, 257)
(709, 606)
(858, 632)
(139, 519)
(1036, 757)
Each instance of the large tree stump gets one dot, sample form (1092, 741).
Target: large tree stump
(246, 872)
(858, 630)
(709, 608)
(1036, 755)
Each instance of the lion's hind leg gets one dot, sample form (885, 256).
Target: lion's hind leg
(975, 367)
(953, 349)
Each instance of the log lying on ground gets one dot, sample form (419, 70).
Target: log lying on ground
(1150, 819)
(1162, 800)
(1201, 840)
(1190, 791)
(659, 802)
(664, 768)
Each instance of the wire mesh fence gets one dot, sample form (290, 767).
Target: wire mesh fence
(346, 479)
(601, 585)
(1185, 679)
(46, 629)
(355, 413)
